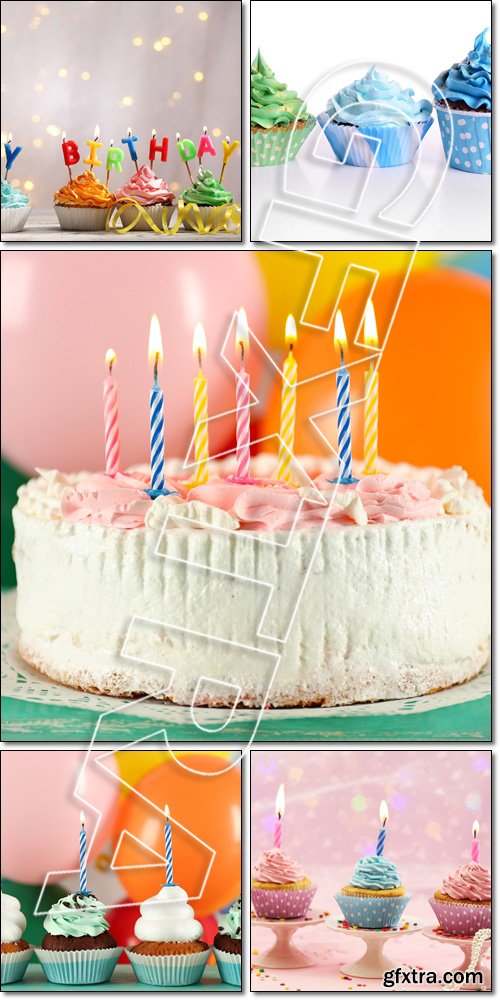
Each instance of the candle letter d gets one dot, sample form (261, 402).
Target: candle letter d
(187, 149)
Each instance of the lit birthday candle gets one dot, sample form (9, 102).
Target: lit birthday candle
(155, 147)
(384, 816)
(93, 144)
(370, 338)
(200, 407)
(169, 860)
(70, 153)
(130, 141)
(156, 410)
(187, 151)
(228, 149)
(111, 426)
(475, 841)
(280, 809)
(242, 400)
(206, 145)
(10, 154)
(288, 405)
(343, 406)
(83, 856)
(113, 159)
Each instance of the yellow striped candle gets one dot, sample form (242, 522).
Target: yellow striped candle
(288, 405)
(371, 396)
(200, 408)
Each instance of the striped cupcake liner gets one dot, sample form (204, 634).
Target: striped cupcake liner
(372, 912)
(373, 145)
(78, 968)
(14, 965)
(81, 220)
(272, 149)
(275, 904)
(466, 139)
(14, 219)
(229, 967)
(461, 918)
(169, 970)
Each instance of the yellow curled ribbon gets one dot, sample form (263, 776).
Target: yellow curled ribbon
(228, 221)
(115, 213)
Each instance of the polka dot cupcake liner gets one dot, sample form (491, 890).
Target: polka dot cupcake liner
(377, 145)
(372, 912)
(277, 904)
(272, 149)
(461, 918)
(466, 139)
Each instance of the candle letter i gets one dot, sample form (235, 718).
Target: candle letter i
(169, 860)
(370, 338)
(288, 403)
(83, 856)
(384, 816)
(475, 841)
(156, 410)
(200, 408)
(280, 809)
(242, 401)
(111, 427)
(343, 406)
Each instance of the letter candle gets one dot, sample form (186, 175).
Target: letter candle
(129, 141)
(206, 145)
(114, 159)
(169, 861)
(156, 409)
(83, 856)
(229, 148)
(93, 144)
(200, 408)
(475, 841)
(370, 338)
(111, 426)
(242, 401)
(70, 153)
(187, 151)
(280, 809)
(384, 816)
(288, 405)
(343, 405)
(10, 154)
(155, 148)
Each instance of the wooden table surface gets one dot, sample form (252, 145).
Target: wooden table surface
(43, 227)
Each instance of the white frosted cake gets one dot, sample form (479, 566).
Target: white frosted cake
(255, 593)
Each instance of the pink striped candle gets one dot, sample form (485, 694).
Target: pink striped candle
(242, 401)
(475, 841)
(280, 809)
(111, 427)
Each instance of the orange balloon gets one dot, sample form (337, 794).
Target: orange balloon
(208, 808)
(434, 376)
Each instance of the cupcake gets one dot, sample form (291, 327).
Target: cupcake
(463, 105)
(227, 945)
(78, 949)
(375, 120)
(211, 199)
(280, 887)
(375, 897)
(170, 952)
(150, 192)
(463, 902)
(16, 952)
(279, 119)
(16, 207)
(83, 203)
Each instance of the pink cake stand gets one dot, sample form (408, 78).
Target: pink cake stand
(373, 963)
(283, 954)
(465, 945)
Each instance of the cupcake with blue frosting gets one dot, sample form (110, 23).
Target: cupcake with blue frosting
(16, 206)
(375, 896)
(462, 96)
(227, 945)
(78, 949)
(375, 121)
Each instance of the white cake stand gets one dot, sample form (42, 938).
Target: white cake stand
(465, 945)
(283, 954)
(373, 963)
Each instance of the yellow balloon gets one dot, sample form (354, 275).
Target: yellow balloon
(135, 764)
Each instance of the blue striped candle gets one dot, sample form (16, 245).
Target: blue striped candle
(157, 436)
(384, 815)
(83, 855)
(343, 406)
(168, 850)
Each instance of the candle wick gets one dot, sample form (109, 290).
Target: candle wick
(155, 369)
(242, 349)
(199, 359)
(342, 356)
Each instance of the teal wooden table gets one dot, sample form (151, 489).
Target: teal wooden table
(122, 981)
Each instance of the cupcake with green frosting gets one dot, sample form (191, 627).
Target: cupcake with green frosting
(210, 197)
(16, 207)
(280, 121)
(227, 945)
(78, 949)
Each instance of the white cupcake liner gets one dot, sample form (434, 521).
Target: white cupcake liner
(84, 219)
(229, 966)
(377, 145)
(131, 213)
(169, 970)
(209, 214)
(272, 149)
(14, 219)
(14, 965)
(466, 139)
(78, 968)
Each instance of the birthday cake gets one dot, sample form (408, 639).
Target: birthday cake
(256, 592)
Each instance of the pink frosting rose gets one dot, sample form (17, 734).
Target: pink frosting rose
(117, 501)
(146, 188)
(388, 498)
(277, 866)
(470, 881)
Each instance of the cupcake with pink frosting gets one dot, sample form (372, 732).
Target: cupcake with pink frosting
(280, 887)
(145, 191)
(462, 904)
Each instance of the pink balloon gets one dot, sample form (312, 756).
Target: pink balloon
(62, 310)
(41, 815)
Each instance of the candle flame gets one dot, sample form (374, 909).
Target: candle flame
(205, 130)
(384, 812)
(111, 143)
(96, 133)
(340, 336)
(9, 138)
(153, 133)
(155, 345)
(167, 812)
(110, 356)
(129, 132)
(475, 829)
(177, 136)
(280, 801)
(82, 818)
(242, 331)
(370, 335)
(63, 137)
(199, 341)
(290, 331)
(227, 139)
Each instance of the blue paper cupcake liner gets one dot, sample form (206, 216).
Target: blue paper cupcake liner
(357, 145)
(169, 970)
(372, 912)
(466, 139)
(229, 967)
(14, 965)
(79, 968)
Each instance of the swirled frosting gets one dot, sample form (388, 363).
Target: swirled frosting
(146, 188)
(76, 916)
(277, 866)
(375, 873)
(84, 191)
(468, 81)
(470, 881)
(271, 103)
(12, 197)
(168, 917)
(13, 921)
(377, 100)
(207, 190)
(230, 922)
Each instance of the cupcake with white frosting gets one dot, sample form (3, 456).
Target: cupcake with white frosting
(170, 950)
(16, 952)
(78, 949)
(227, 945)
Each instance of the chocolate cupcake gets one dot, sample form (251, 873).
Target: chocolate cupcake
(78, 948)
(227, 945)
